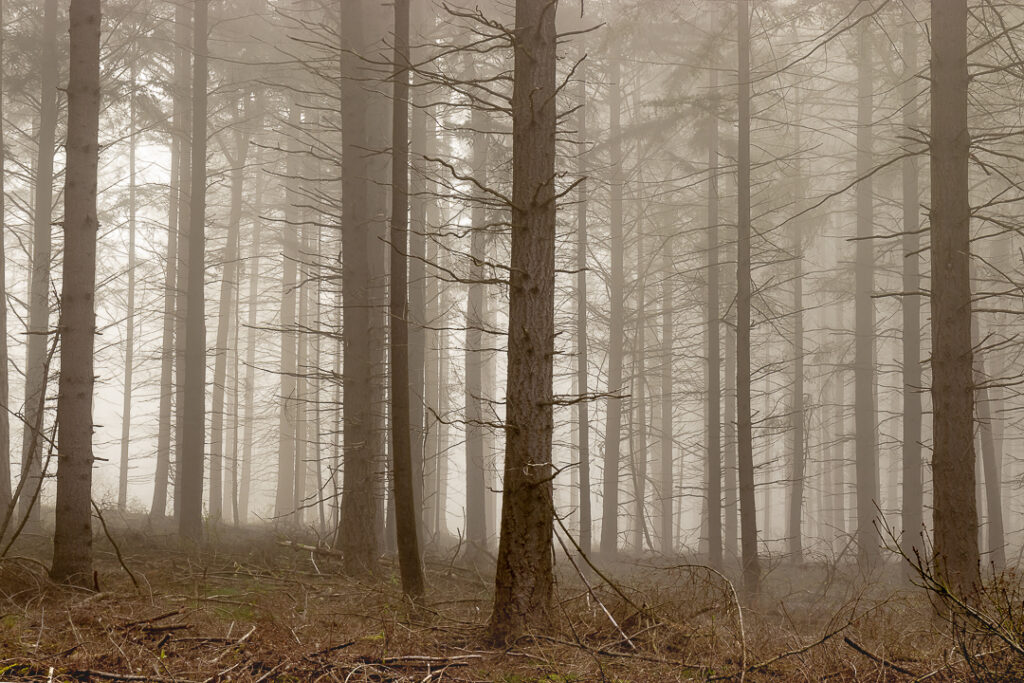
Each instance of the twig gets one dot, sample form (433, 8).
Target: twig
(117, 551)
(875, 658)
(78, 673)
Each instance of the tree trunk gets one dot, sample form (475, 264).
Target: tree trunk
(667, 477)
(639, 393)
(190, 522)
(39, 284)
(911, 515)
(613, 420)
(955, 512)
(5, 422)
(745, 456)
(864, 326)
(129, 341)
(228, 286)
(476, 509)
(248, 419)
(714, 358)
(582, 357)
(72, 539)
(405, 501)
(358, 535)
(798, 454)
(284, 500)
(524, 578)
(731, 539)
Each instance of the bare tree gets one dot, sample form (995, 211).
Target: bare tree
(524, 579)
(72, 539)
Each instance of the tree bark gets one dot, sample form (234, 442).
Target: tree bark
(582, 349)
(39, 284)
(864, 325)
(613, 420)
(955, 511)
(190, 523)
(713, 340)
(911, 515)
(745, 455)
(72, 539)
(524, 578)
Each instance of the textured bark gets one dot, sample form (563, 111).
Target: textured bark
(72, 538)
(714, 353)
(613, 419)
(39, 284)
(524, 577)
(864, 325)
(410, 568)
(911, 515)
(193, 414)
(358, 534)
(745, 454)
(582, 351)
(955, 511)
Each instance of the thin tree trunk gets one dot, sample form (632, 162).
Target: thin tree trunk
(912, 513)
(5, 423)
(639, 428)
(409, 565)
(248, 419)
(731, 538)
(72, 539)
(524, 578)
(798, 454)
(129, 342)
(39, 284)
(285, 503)
(864, 326)
(714, 362)
(582, 349)
(613, 420)
(194, 411)
(476, 508)
(748, 510)
(418, 302)
(667, 396)
(228, 286)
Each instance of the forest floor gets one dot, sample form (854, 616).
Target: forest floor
(254, 606)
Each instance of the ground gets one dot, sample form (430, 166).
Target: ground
(265, 605)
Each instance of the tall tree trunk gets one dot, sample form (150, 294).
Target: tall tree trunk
(613, 420)
(72, 538)
(302, 385)
(912, 513)
(5, 423)
(476, 484)
(39, 284)
(228, 286)
(745, 456)
(864, 325)
(714, 362)
(401, 458)
(358, 535)
(524, 579)
(418, 300)
(798, 454)
(991, 468)
(639, 429)
(667, 477)
(190, 523)
(248, 419)
(955, 511)
(731, 497)
(284, 500)
(129, 341)
(582, 350)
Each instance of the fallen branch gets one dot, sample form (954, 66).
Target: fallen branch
(875, 658)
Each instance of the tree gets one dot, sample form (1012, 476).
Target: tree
(39, 285)
(524, 578)
(745, 454)
(864, 325)
(953, 460)
(72, 540)
(582, 357)
(714, 352)
(5, 422)
(129, 342)
(402, 475)
(193, 413)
